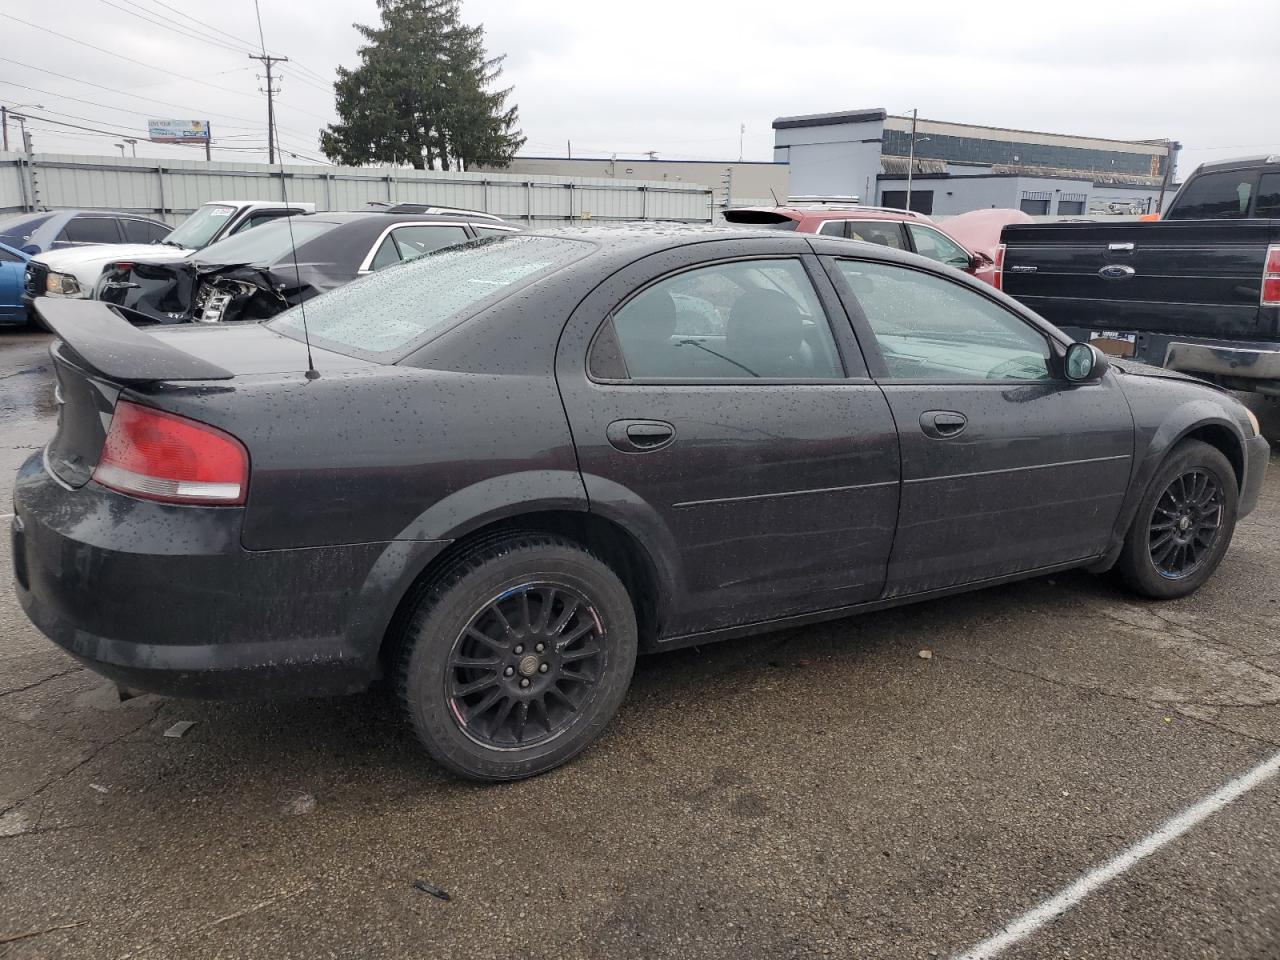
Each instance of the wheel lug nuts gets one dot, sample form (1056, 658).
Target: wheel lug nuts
(524, 682)
(543, 669)
(519, 649)
(509, 671)
(540, 647)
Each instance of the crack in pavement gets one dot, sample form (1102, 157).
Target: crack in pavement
(1099, 691)
(31, 686)
(89, 756)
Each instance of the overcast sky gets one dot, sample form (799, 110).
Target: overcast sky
(675, 77)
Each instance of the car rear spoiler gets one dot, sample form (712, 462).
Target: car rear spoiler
(103, 340)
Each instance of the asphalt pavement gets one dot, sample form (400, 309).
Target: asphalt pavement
(826, 791)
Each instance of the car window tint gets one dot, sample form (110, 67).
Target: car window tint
(7, 257)
(885, 234)
(142, 231)
(90, 230)
(929, 328)
(750, 318)
(416, 241)
(932, 244)
(248, 223)
(1215, 196)
(387, 254)
(1268, 195)
(833, 228)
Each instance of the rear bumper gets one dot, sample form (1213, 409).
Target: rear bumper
(163, 598)
(1257, 454)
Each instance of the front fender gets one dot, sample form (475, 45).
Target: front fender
(1159, 428)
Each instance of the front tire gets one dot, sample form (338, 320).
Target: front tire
(1183, 525)
(516, 657)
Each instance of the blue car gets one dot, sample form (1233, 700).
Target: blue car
(59, 229)
(12, 264)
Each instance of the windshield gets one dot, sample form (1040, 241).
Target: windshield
(197, 230)
(16, 231)
(389, 310)
(266, 244)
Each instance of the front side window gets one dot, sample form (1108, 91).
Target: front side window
(143, 231)
(90, 230)
(934, 245)
(728, 321)
(1215, 196)
(932, 329)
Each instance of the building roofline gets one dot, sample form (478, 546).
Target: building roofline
(829, 119)
(1036, 133)
(721, 163)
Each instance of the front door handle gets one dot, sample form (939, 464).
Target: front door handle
(942, 424)
(640, 436)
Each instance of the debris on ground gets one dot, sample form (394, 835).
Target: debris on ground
(925, 654)
(179, 728)
(15, 823)
(303, 803)
(432, 889)
(27, 934)
(99, 787)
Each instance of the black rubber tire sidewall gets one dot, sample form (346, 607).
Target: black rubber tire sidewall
(1135, 566)
(448, 606)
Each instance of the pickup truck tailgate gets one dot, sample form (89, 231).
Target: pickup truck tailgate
(1191, 278)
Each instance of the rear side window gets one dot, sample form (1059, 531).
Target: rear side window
(725, 321)
(90, 230)
(143, 231)
(833, 228)
(1269, 195)
(415, 241)
(886, 234)
(387, 312)
(1215, 196)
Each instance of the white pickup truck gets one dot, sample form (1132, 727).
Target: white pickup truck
(74, 272)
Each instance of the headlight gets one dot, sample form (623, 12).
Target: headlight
(1253, 421)
(62, 285)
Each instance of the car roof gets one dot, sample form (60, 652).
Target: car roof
(830, 213)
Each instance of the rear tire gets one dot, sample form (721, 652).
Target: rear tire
(516, 657)
(1183, 525)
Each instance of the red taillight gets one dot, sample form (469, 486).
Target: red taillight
(121, 266)
(161, 456)
(1271, 278)
(997, 279)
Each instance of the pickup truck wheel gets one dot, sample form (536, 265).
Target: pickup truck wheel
(516, 657)
(1183, 525)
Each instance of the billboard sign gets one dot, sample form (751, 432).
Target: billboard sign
(178, 131)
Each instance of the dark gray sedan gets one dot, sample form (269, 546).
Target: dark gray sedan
(497, 472)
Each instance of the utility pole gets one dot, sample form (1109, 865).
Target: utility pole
(1168, 172)
(133, 145)
(208, 142)
(269, 61)
(911, 156)
(742, 132)
(4, 122)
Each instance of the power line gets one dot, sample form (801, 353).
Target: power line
(143, 63)
(141, 14)
(209, 26)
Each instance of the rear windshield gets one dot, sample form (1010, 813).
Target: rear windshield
(15, 231)
(265, 245)
(384, 313)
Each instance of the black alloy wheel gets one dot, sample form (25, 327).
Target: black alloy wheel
(525, 665)
(1183, 524)
(515, 655)
(1186, 523)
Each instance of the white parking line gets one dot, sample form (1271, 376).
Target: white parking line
(1171, 830)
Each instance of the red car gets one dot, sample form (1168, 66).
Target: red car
(900, 229)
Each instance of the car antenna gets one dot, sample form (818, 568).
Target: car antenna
(774, 194)
(312, 373)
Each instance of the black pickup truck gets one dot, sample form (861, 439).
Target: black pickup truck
(1196, 291)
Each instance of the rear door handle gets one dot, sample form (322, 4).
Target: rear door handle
(640, 436)
(942, 424)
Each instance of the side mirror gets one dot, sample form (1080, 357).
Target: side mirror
(30, 249)
(978, 260)
(1084, 363)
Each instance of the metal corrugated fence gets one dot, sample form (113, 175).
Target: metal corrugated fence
(172, 189)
